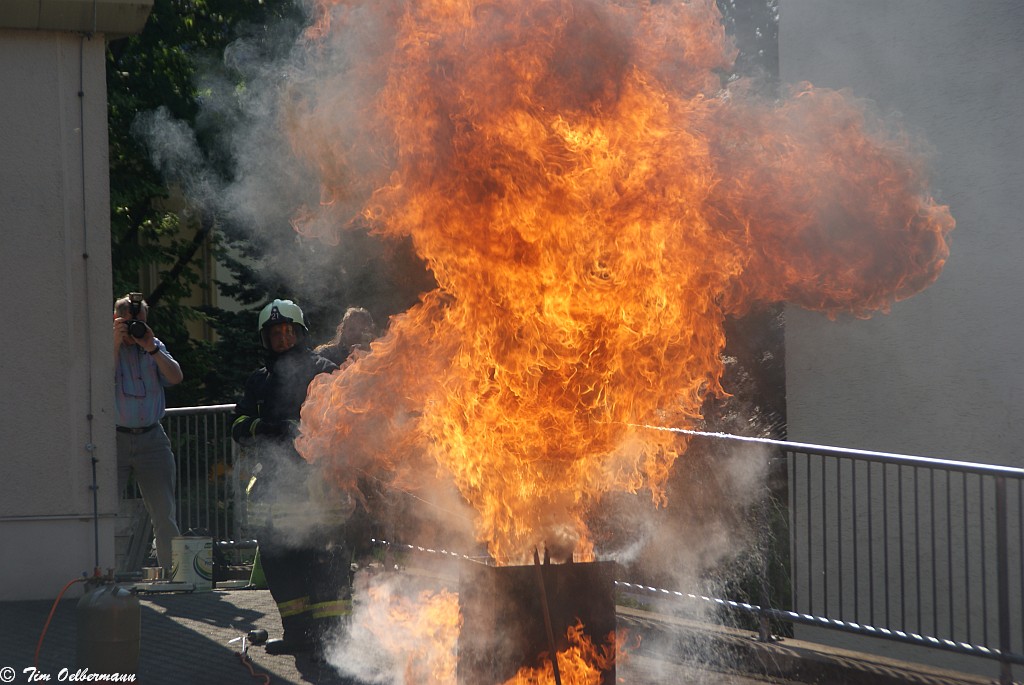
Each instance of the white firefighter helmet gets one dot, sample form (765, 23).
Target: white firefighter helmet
(281, 311)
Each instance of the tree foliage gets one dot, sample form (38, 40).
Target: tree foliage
(158, 231)
(157, 69)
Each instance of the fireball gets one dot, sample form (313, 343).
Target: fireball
(594, 197)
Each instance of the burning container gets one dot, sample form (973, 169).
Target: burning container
(513, 614)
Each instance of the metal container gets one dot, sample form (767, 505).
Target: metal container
(513, 614)
(109, 622)
(192, 562)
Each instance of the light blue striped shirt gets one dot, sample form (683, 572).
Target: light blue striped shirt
(139, 387)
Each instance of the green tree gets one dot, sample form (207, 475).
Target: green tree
(164, 72)
(153, 70)
(177, 67)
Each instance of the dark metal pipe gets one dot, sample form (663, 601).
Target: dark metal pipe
(885, 542)
(903, 548)
(934, 556)
(871, 550)
(839, 538)
(824, 536)
(1003, 575)
(967, 561)
(856, 542)
(764, 631)
(949, 551)
(984, 565)
(793, 524)
(547, 616)
(917, 547)
(810, 539)
(95, 513)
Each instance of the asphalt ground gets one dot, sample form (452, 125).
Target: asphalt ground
(196, 638)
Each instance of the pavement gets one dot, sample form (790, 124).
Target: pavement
(196, 638)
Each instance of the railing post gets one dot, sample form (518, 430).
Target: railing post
(1003, 579)
(764, 629)
(238, 519)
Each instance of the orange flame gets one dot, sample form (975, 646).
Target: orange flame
(593, 202)
(582, 663)
(418, 633)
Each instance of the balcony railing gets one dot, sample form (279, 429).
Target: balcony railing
(209, 490)
(927, 552)
(924, 551)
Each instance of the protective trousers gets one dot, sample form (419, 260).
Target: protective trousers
(312, 589)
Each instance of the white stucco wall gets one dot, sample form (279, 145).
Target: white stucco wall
(942, 375)
(56, 368)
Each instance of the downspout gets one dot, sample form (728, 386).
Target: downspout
(90, 445)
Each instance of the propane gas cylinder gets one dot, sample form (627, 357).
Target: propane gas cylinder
(109, 629)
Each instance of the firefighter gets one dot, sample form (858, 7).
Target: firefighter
(298, 528)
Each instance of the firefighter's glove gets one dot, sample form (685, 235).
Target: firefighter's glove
(270, 428)
(276, 429)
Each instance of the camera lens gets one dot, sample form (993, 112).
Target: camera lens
(137, 329)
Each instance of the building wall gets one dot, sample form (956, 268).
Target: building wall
(942, 375)
(58, 494)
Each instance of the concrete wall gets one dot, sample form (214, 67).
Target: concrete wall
(56, 364)
(942, 375)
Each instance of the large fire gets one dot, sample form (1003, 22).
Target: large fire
(593, 199)
(581, 664)
(420, 633)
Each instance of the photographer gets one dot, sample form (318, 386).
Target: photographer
(142, 369)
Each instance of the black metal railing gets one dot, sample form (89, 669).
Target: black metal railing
(928, 552)
(923, 551)
(209, 491)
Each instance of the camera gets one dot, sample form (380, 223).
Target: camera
(136, 328)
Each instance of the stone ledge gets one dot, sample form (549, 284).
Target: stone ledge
(730, 650)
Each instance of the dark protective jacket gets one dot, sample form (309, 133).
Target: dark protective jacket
(274, 394)
(266, 422)
(307, 571)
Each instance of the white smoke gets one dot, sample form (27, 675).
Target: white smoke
(399, 633)
(175, 152)
(707, 520)
(304, 507)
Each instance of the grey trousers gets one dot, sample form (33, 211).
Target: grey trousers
(148, 456)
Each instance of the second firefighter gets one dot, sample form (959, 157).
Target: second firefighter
(299, 531)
